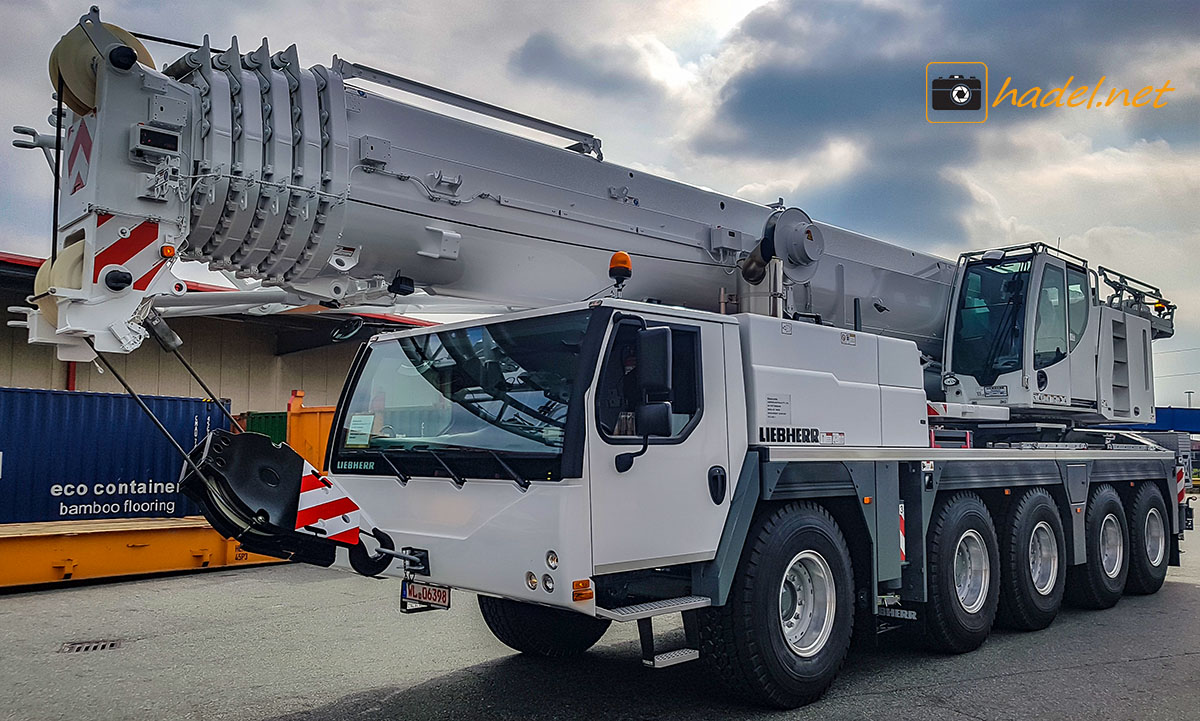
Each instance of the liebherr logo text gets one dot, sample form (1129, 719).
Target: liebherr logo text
(356, 465)
(902, 613)
(768, 434)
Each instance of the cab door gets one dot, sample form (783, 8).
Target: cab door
(669, 507)
(1048, 366)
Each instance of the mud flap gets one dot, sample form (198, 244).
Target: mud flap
(270, 499)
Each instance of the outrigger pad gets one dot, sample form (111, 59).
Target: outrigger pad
(249, 491)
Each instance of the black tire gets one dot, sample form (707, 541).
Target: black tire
(540, 630)
(1032, 524)
(954, 625)
(743, 642)
(1146, 571)
(1088, 585)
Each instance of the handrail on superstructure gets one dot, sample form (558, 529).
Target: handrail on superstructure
(586, 143)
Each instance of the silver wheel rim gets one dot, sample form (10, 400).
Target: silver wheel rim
(1156, 537)
(1112, 549)
(972, 571)
(807, 603)
(1043, 558)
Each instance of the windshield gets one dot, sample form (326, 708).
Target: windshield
(501, 388)
(989, 324)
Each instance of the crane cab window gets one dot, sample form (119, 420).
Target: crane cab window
(990, 319)
(1079, 300)
(1050, 328)
(617, 394)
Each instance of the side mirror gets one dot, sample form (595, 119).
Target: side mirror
(653, 419)
(654, 362)
(347, 329)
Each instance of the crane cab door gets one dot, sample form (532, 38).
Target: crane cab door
(1062, 335)
(669, 506)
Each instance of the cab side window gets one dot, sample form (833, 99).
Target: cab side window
(618, 395)
(1079, 300)
(1050, 332)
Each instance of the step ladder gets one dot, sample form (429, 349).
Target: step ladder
(1120, 370)
(644, 614)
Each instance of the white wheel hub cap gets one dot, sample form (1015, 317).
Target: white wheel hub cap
(1156, 537)
(972, 571)
(1043, 558)
(807, 603)
(1112, 548)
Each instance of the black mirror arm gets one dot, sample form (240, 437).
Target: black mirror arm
(624, 461)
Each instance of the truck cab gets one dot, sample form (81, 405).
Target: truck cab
(596, 434)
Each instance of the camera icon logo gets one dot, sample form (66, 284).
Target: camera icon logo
(956, 93)
(954, 89)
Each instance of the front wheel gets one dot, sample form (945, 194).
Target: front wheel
(785, 630)
(540, 630)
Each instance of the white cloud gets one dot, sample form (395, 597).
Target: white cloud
(838, 159)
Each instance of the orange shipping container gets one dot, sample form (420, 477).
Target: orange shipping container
(308, 429)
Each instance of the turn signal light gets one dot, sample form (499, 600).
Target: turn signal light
(581, 585)
(587, 595)
(168, 251)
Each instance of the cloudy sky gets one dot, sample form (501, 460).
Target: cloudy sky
(820, 103)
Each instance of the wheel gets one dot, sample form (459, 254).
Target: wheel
(540, 630)
(1100, 582)
(784, 632)
(1148, 547)
(1033, 562)
(963, 565)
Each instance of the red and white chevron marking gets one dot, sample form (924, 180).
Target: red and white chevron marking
(138, 251)
(903, 550)
(79, 154)
(325, 506)
(1180, 482)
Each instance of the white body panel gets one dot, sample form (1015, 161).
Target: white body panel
(488, 534)
(824, 384)
(660, 512)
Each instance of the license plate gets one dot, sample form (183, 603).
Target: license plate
(425, 593)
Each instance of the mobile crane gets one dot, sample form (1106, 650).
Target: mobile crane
(783, 430)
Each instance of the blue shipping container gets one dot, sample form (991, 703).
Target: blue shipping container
(68, 455)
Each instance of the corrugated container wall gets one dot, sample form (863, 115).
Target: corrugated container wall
(273, 425)
(70, 455)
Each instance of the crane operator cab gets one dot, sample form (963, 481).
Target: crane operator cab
(1028, 329)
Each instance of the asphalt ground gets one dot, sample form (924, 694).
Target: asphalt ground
(297, 642)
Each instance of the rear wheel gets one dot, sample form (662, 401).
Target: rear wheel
(784, 632)
(1148, 543)
(1033, 562)
(1100, 582)
(963, 566)
(540, 630)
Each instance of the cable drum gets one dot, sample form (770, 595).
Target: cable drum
(798, 242)
(74, 59)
